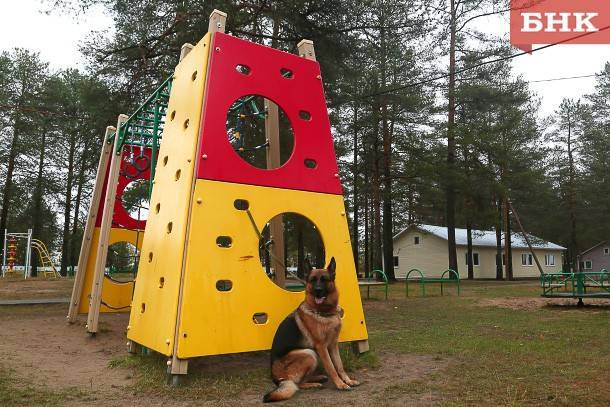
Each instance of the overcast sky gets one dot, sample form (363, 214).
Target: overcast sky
(57, 38)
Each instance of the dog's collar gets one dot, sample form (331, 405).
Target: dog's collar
(310, 310)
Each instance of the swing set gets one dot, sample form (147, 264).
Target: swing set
(10, 248)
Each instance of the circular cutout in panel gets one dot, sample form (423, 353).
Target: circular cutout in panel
(224, 285)
(246, 133)
(122, 261)
(286, 73)
(299, 240)
(243, 69)
(135, 199)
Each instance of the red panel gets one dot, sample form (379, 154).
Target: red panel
(128, 173)
(304, 91)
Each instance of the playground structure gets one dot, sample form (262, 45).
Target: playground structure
(46, 267)
(201, 289)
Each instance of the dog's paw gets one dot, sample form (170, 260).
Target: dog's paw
(352, 383)
(343, 386)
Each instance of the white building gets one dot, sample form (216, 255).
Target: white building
(424, 247)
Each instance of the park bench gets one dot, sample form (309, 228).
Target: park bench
(449, 276)
(368, 282)
(371, 281)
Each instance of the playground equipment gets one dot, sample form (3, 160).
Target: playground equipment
(46, 267)
(577, 285)
(449, 276)
(11, 255)
(371, 282)
(201, 289)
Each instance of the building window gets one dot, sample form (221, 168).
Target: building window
(527, 259)
(395, 261)
(416, 240)
(549, 259)
(588, 264)
(606, 251)
(475, 258)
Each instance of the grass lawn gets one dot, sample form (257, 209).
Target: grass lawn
(537, 355)
(498, 343)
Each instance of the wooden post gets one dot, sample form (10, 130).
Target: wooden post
(218, 20)
(276, 226)
(359, 347)
(185, 49)
(527, 240)
(306, 50)
(176, 367)
(94, 206)
(102, 246)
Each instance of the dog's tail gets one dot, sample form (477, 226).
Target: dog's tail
(284, 391)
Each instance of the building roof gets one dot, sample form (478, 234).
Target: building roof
(485, 238)
(603, 242)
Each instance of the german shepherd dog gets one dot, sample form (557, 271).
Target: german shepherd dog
(309, 333)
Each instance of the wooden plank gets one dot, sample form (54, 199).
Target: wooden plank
(178, 366)
(276, 226)
(94, 206)
(102, 247)
(306, 50)
(218, 20)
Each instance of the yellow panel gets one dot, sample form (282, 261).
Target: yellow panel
(153, 320)
(117, 295)
(214, 322)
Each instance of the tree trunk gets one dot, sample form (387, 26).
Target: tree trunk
(81, 182)
(449, 175)
(508, 250)
(469, 250)
(376, 260)
(367, 259)
(388, 244)
(37, 198)
(65, 247)
(376, 238)
(8, 183)
(355, 220)
(573, 249)
(499, 262)
(300, 250)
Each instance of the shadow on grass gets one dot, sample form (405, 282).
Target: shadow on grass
(223, 378)
(575, 307)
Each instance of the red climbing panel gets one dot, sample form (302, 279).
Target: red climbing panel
(129, 173)
(303, 92)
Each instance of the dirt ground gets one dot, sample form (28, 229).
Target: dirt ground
(529, 304)
(38, 345)
(18, 288)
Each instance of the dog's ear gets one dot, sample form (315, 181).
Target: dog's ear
(332, 266)
(306, 268)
